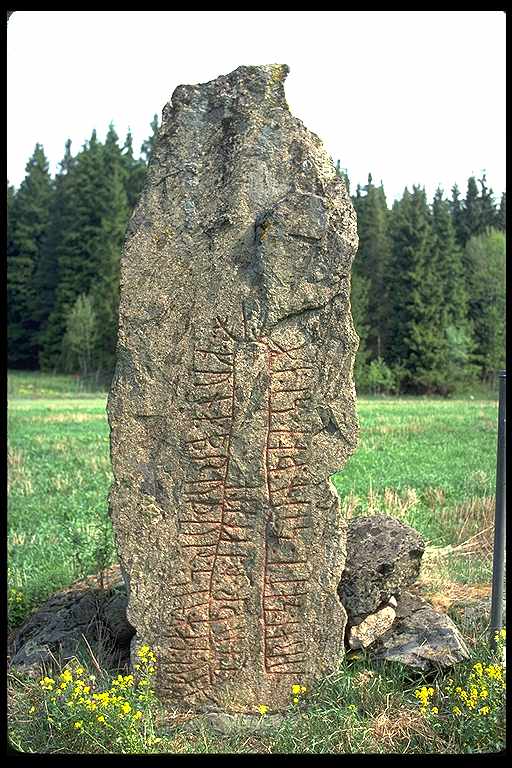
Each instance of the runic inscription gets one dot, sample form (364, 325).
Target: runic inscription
(213, 526)
(217, 520)
(288, 518)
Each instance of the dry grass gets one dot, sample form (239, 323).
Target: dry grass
(471, 521)
(67, 417)
(392, 726)
(434, 498)
(436, 584)
(364, 677)
(15, 473)
(391, 502)
(413, 426)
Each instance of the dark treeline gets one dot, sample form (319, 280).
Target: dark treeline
(65, 237)
(428, 282)
(428, 289)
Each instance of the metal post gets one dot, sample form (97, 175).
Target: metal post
(498, 562)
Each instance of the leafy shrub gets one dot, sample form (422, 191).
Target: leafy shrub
(381, 379)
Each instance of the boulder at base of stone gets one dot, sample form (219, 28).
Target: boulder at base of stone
(383, 556)
(420, 637)
(58, 628)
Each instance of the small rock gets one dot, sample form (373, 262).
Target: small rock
(383, 556)
(364, 634)
(420, 637)
(227, 724)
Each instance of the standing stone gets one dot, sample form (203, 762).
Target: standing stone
(232, 401)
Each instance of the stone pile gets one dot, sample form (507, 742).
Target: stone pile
(383, 559)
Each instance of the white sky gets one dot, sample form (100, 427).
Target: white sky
(412, 96)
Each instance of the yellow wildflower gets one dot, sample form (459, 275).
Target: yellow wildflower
(295, 700)
(262, 709)
(295, 689)
(31, 710)
(66, 676)
(137, 715)
(484, 711)
(303, 689)
(100, 718)
(434, 711)
(126, 708)
(456, 711)
(78, 724)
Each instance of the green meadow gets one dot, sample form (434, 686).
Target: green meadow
(429, 462)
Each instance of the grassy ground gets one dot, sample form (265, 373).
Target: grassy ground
(429, 462)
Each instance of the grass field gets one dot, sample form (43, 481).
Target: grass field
(429, 462)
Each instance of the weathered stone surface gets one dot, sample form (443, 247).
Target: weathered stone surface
(233, 402)
(367, 631)
(421, 637)
(57, 629)
(383, 557)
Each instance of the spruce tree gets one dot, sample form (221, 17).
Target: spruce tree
(30, 220)
(373, 258)
(91, 227)
(488, 214)
(447, 265)
(343, 174)
(11, 206)
(135, 172)
(115, 212)
(447, 260)
(471, 212)
(47, 274)
(457, 216)
(76, 223)
(80, 243)
(148, 145)
(502, 214)
(417, 343)
(485, 260)
(359, 303)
